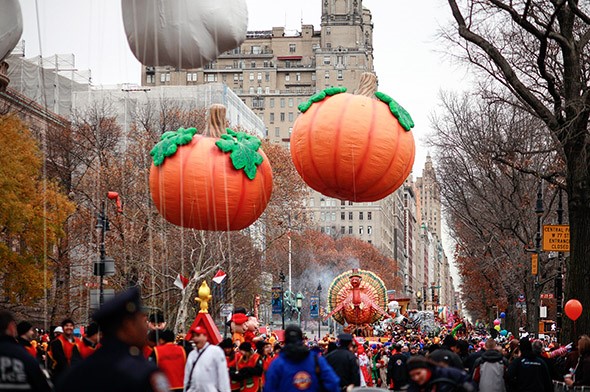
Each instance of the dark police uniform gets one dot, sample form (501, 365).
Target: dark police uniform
(116, 366)
(19, 371)
(344, 363)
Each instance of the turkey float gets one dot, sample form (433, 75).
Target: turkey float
(183, 33)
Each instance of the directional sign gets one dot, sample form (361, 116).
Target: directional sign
(556, 238)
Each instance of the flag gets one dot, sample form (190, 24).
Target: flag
(181, 282)
(219, 277)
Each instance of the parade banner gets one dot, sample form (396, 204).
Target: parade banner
(314, 309)
(277, 300)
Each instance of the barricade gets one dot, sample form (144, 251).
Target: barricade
(560, 386)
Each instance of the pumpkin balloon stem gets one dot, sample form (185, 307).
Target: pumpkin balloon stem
(367, 85)
(216, 123)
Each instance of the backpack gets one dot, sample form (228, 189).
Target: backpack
(490, 376)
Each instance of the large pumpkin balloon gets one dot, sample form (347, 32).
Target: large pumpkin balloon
(353, 147)
(210, 183)
(183, 33)
(11, 26)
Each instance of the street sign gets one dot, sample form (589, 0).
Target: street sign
(226, 310)
(534, 264)
(556, 238)
(547, 296)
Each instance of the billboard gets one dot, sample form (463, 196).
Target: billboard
(277, 300)
(314, 306)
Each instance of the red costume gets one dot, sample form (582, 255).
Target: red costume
(171, 358)
(252, 383)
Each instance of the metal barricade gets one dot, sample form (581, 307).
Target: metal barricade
(560, 386)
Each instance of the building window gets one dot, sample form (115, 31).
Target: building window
(350, 215)
(251, 76)
(329, 45)
(327, 75)
(340, 76)
(265, 64)
(292, 48)
(253, 64)
(339, 60)
(282, 117)
(151, 79)
(290, 116)
(369, 230)
(290, 131)
(251, 90)
(282, 102)
(162, 78)
(277, 132)
(328, 30)
(323, 216)
(287, 77)
(360, 215)
(271, 103)
(298, 76)
(267, 90)
(313, 77)
(211, 78)
(258, 102)
(267, 76)
(291, 102)
(342, 202)
(342, 215)
(256, 50)
(342, 230)
(326, 60)
(259, 76)
(189, 77)
(259, 90)
(272, 117)
(361, 230)
(333, 216)
(369, 215)
(322, 202)
(349, 229)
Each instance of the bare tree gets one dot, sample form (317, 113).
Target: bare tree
(538, 50)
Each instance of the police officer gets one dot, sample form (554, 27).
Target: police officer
(119, 364)
(344, 363)
(19, 370)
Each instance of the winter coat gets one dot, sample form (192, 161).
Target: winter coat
(489, 371)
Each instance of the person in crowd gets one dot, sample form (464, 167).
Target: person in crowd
(428, 376)
(156, 322)
(232, 357)
(89, 342)
(528, 373)
(206, 366)
(63, 350)
(118, 366)
(26, 334)
(264, 350)
(250, 369)
(171, 359)
(397, 372)
(344, 362)
(490, 369)
(447, 353)
(19, 370)
(299, 369)
(581, 374)
(151, 342)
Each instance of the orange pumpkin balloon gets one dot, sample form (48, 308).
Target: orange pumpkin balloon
(353, 147)
(198, 186)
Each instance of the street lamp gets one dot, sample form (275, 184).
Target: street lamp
(282, 280)
(299, 304)
(319, 309)
(419, 299)
(105, 266)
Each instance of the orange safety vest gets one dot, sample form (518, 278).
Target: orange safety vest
(250, 384)
(68, 347)
(85, 350)
(171, 358)
(232, 363)
(31, 350)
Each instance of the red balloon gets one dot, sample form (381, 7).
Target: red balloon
(573, 309)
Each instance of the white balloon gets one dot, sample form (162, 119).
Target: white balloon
(11, 26)
(183, 33)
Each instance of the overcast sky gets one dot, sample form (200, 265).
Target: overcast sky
(409, 59)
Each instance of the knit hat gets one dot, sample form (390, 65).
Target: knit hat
(23, 327)
(418, 362)
(293, 335)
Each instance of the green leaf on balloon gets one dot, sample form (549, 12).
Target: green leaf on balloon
(244, 151)
(320, 96)
(397, 110)
(169, 142)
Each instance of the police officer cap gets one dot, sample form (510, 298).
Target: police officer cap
(345, 337)
(122, 305)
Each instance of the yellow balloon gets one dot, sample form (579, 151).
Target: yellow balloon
(497, 327)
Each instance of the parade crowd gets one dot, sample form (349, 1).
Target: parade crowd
(124, 351)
